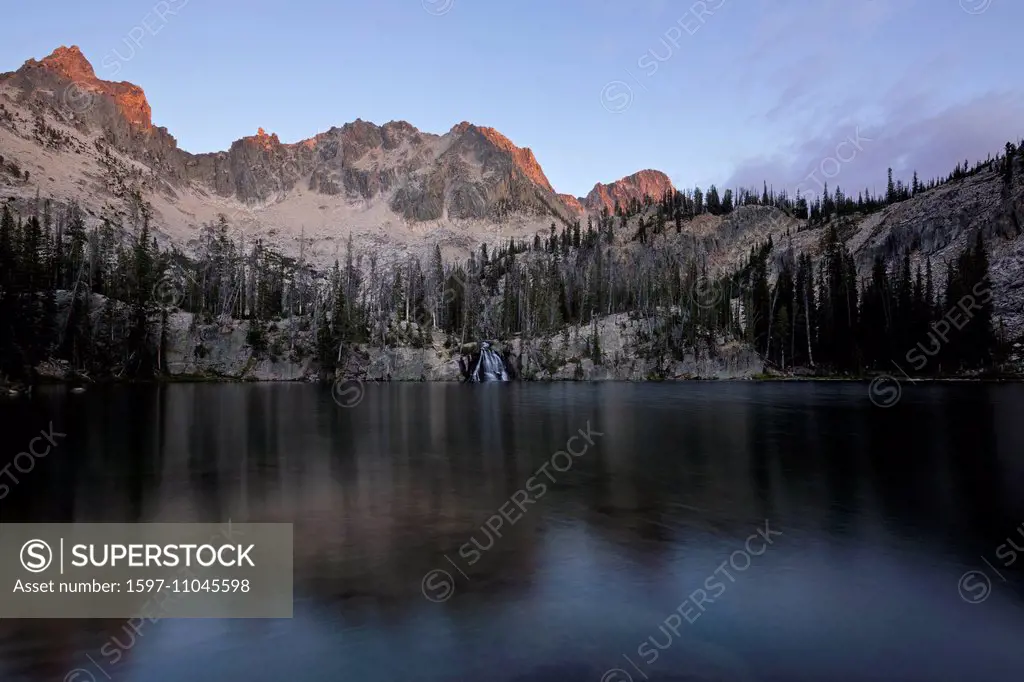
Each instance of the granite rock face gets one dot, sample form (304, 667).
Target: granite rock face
(568, 356)
(223, 350)
(625, 356)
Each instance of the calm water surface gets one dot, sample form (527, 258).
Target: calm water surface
(874, 517)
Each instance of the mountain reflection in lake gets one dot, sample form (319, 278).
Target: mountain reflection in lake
(881, 511)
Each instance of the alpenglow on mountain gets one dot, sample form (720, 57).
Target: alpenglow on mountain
(84, 139)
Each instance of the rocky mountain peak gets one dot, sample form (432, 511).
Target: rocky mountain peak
(645, 183)
(394, 133)
(70, 63)
(264, 139)
(522, 157)
(67, 79)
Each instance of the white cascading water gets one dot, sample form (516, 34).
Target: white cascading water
(489, 366)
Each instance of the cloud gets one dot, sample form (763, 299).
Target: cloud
(808, 51)
(798, 91)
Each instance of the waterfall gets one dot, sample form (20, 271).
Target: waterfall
(489, 366)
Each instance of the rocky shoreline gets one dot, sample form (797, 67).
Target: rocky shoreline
(614, 348)
(57, 373)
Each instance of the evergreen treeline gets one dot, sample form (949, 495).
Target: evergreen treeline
(825, 316)
(46, 254)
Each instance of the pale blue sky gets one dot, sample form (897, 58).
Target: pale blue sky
(724, 91)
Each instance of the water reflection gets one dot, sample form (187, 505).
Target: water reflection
(882, 511)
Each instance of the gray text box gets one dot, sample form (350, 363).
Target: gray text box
(146, 570)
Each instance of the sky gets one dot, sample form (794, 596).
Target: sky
(731, 92)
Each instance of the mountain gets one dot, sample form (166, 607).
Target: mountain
(645, 183)
(85, 139)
